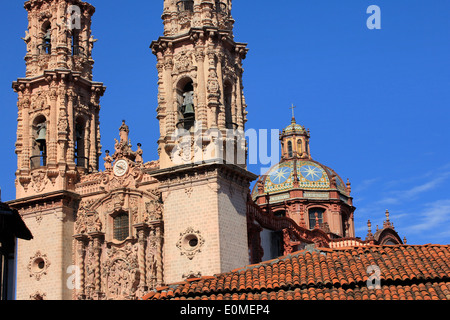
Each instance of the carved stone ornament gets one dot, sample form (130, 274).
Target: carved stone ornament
(121, 272)
(38, 295)
(88, 220)
(39, 181)
(153, 211)
(183, 62)
(190, 243)
(38, 265)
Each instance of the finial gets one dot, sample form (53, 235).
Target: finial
(369, 236)
(388, 223)
(293, 113)
(404, 240)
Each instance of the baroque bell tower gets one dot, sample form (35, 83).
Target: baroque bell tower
(58, 139)
(202, 148)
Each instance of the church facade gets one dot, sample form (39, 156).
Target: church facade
(121, 231)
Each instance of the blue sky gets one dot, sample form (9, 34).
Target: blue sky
(376, 101)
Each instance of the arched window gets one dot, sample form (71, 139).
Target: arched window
(75, 42)
(39, 149)
(187, 109)
(290, 152)
(121, 226)
(299, 147)
(80, 145)
(47, 38)
(312, 217)
(185, 5)
(221, 7)
(227, 92)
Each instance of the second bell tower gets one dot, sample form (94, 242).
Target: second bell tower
(202, 116)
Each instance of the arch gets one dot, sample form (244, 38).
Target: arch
(76, 42)
(186, 108)
(290, 150)
(387, 236)
(79, 137)
(46, 45)
(185, 5)
(39, 138)
(299, 147)
(228, 104)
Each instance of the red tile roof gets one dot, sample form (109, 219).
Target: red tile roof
(408, 272)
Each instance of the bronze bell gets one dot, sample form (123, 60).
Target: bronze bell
(48, 36)
(189, 111)
(42, 134)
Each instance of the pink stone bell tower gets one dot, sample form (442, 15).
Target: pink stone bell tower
(202, 116)
(58, 139)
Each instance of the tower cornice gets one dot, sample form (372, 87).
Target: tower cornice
(37, 4)
(196, 34)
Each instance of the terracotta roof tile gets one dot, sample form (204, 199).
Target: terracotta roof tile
(407, 273)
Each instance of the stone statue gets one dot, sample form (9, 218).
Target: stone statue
(108, 161)
(124, 131)
(139, 153)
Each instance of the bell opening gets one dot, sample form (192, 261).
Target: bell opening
(187, 108)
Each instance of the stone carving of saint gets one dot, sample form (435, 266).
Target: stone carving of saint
(124, 130)
(139, 153)
(108, 161)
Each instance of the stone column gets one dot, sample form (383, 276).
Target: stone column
(26, 138)
(141, 232)
(81, 252)
(201, 88)
(159, 248)
(98, 238)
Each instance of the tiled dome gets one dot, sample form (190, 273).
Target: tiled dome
(294, 128)
(312, 176)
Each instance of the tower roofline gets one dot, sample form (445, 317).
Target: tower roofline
(30, 4)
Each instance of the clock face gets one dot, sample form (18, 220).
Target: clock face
(120, 168)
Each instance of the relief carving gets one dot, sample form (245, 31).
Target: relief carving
(121, 272)
(38, 180)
